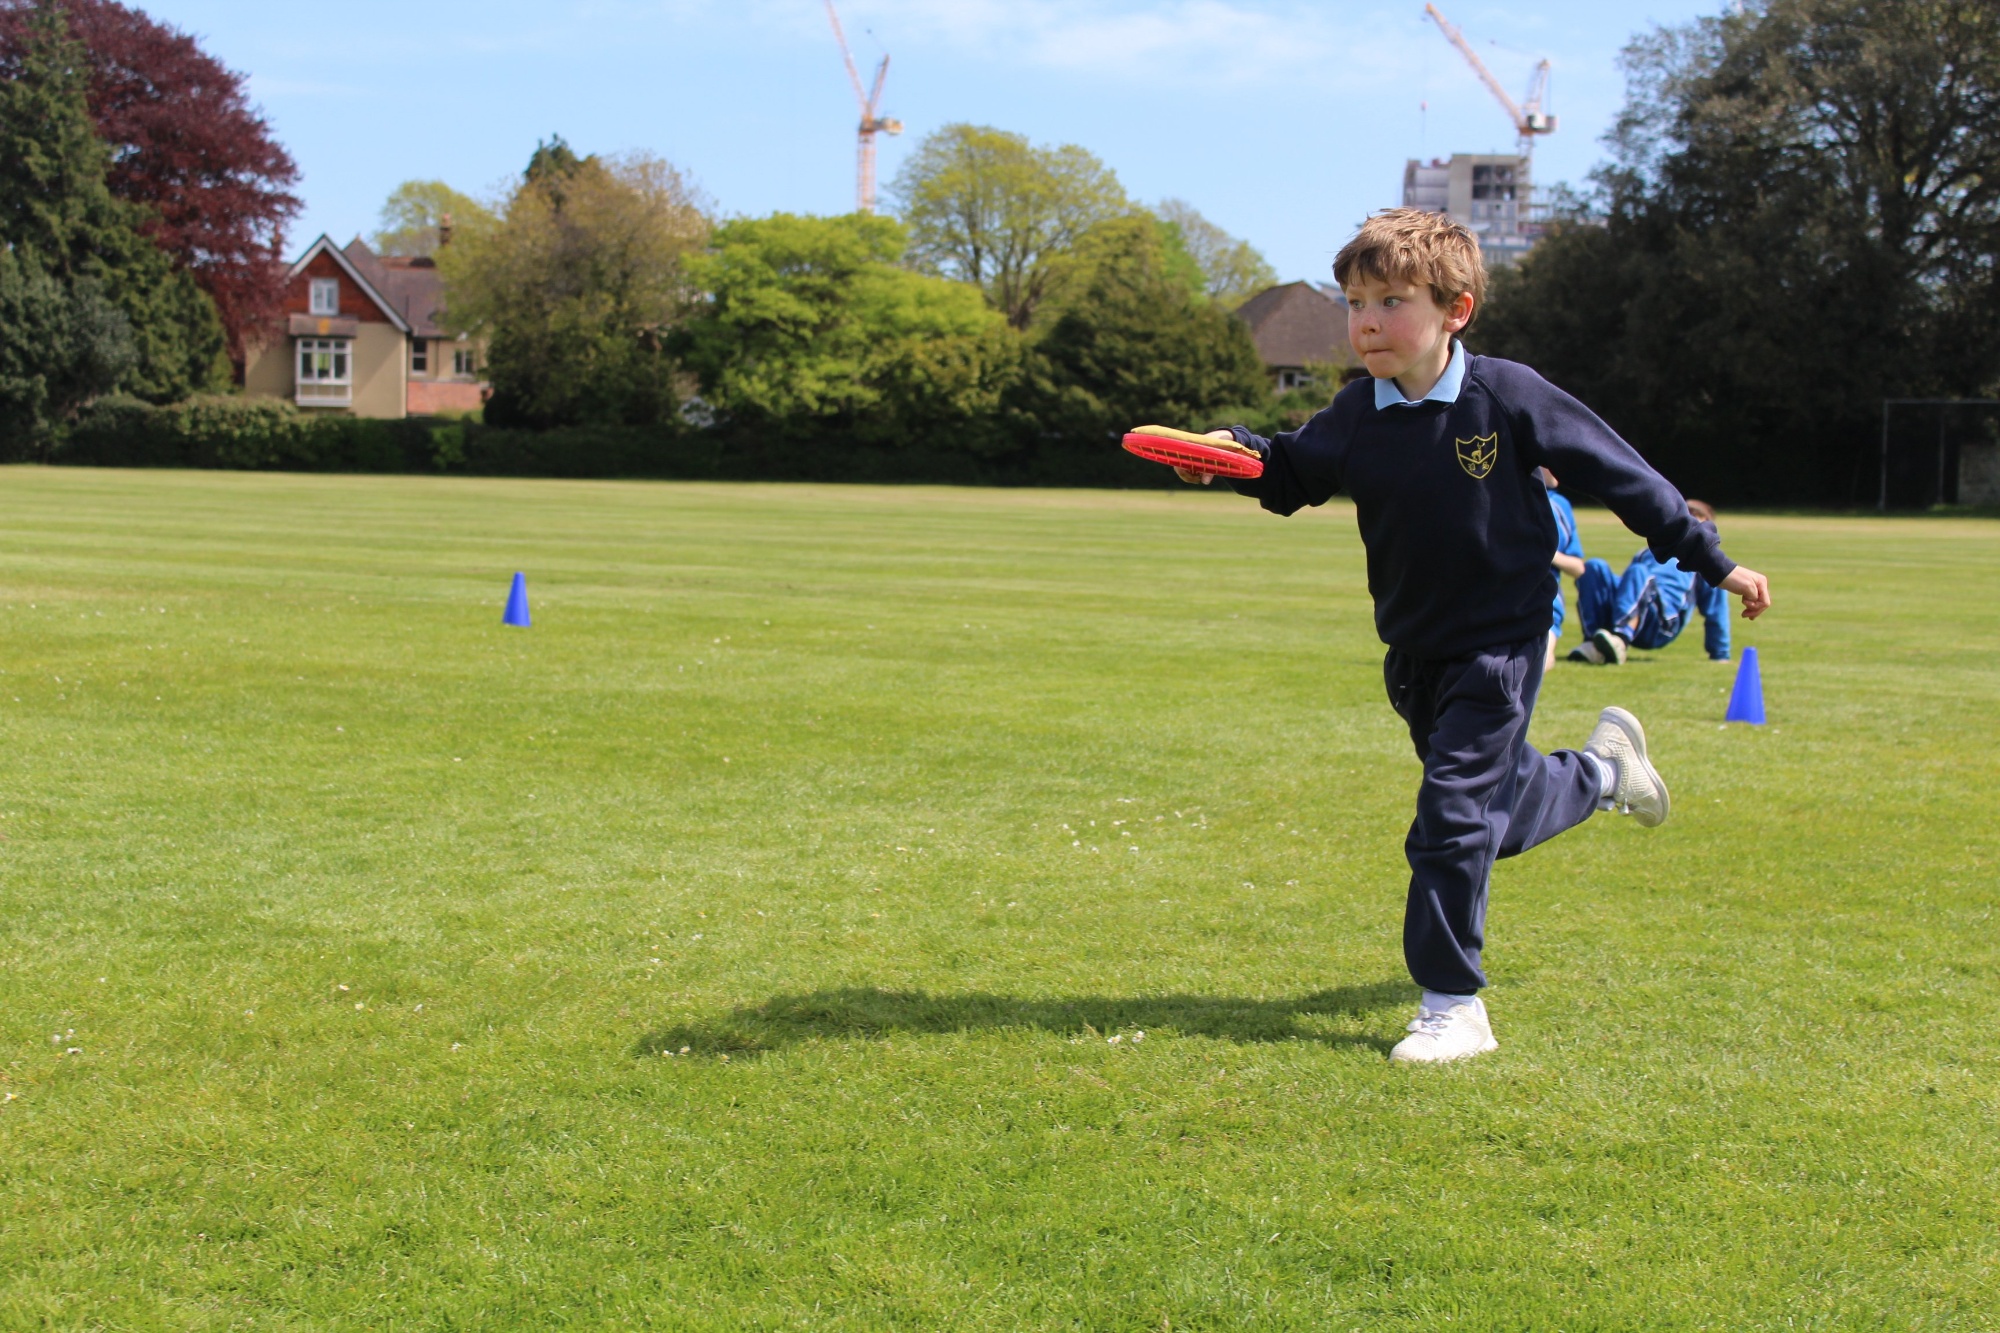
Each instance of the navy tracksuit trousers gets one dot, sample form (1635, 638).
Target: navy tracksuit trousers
(1486, 794)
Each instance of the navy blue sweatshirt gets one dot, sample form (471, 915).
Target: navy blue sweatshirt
(1457, 526)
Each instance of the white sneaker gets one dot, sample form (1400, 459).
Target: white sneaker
(1636, 788)
(1437, 1035)
(1610, 646)
(1587, 652)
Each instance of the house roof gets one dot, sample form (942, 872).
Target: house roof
(324, 245)
(1298, 324)
(411, 284)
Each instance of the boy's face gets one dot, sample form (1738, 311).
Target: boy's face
(1396, 326)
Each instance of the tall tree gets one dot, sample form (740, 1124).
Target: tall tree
(1232, 270)
(1133, 340)
(186, 145)
(78, 255)
(577, 287)
(1800, 219)
(415, 215)
(813, 330)
(61, 345)
(989, 208)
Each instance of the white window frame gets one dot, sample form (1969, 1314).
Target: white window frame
(324, 296)
(463, 362)
(420, 356)
(324, 371)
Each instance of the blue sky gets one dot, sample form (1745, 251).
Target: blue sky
(1285, 121)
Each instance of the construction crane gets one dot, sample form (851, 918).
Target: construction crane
(1528, 117)
(872, 121)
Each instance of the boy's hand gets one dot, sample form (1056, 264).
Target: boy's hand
(1204, 478)
(1752, 587)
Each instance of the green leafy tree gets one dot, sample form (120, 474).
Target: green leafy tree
(814, 330)
(94, 304)
(577, 287)
(416, 212)
(1800, 218)
(1232, 270)
(1134, 341)
(987, 207)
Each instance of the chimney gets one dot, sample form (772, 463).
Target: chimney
(444, 231)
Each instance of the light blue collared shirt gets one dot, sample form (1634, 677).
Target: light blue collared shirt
(1444, 391)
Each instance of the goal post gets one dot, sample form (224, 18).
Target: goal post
(1920, 468)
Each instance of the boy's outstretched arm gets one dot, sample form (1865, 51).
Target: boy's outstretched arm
(1301, 467)
(1562, 434)
(1298, 470)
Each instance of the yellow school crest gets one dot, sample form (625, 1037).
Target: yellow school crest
(1477, 455)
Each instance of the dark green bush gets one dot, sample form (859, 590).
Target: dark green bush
(253, 434)
(264, 434)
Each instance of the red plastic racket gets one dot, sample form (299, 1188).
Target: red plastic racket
(1196, 453)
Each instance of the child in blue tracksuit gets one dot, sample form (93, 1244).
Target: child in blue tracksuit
(1648, 606)
(1568, 559)
(1439, 451)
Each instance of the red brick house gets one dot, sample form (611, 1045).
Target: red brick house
(361, 333)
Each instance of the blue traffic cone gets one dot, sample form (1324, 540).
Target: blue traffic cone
(517, 610)
(1746, 701)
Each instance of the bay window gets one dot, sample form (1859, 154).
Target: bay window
(326, 371)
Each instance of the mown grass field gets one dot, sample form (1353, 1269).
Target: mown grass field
(342, 930)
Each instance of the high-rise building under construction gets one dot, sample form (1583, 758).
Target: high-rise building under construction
(1492, 193)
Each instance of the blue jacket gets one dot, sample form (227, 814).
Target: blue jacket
(1679, 593)
(1568, 542)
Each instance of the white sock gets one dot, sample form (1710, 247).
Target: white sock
(1607, 777)
(1437, 1002)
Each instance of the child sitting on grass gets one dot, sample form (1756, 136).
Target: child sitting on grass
(1648, 607)
(1568, 559)
(1439, 450)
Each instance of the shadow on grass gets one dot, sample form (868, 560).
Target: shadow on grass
(865, 1011)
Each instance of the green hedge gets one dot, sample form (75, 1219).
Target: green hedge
(242, 433)
(262, 434)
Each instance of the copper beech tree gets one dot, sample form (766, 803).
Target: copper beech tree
(186, 144)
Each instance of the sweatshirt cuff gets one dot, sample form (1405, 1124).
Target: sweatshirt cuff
(1250, 486)
(1700, 552)
(1249, 440)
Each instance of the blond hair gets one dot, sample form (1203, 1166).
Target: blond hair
(1417, 246)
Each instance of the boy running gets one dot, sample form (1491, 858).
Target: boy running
(1438, 450)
